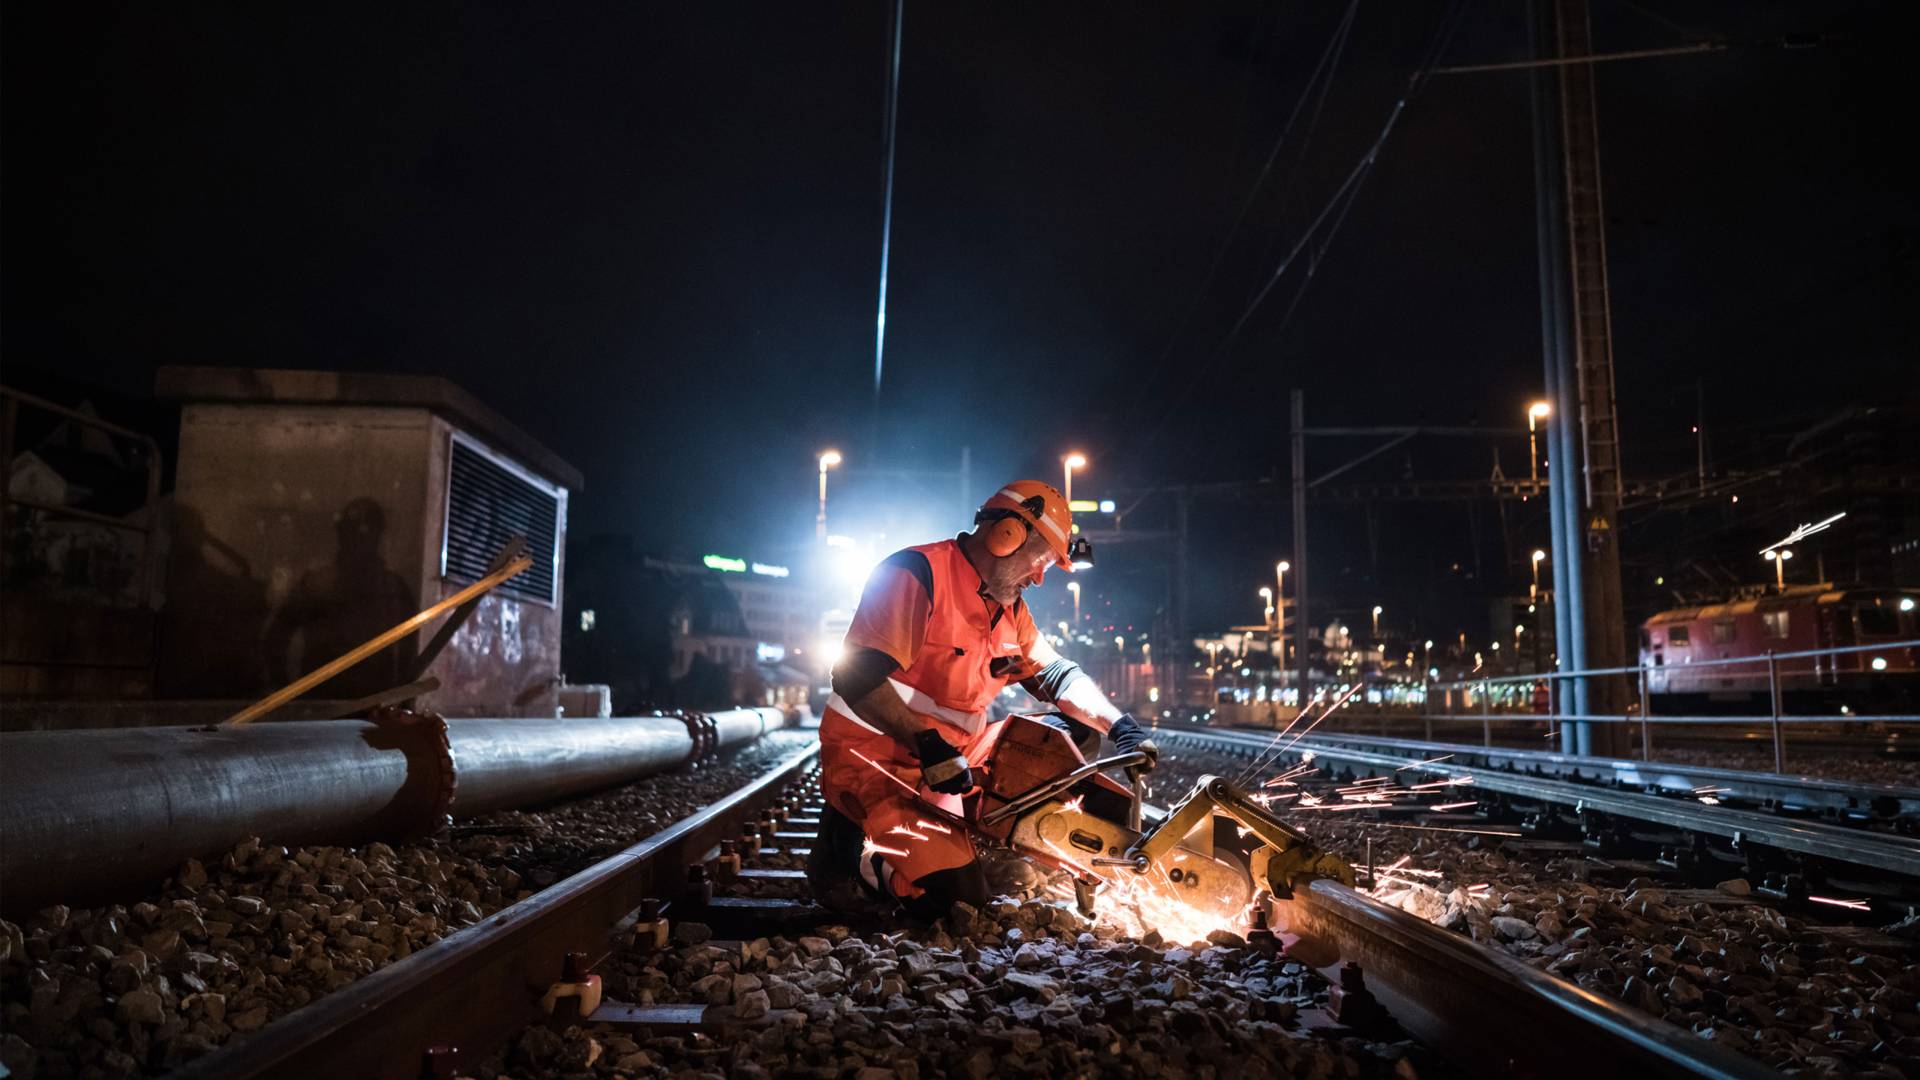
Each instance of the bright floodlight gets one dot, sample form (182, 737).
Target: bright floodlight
(829, 459)
(1377, 609)
(1540, 410)
(1076, 461)
(1283, 566)
(1538, 555)
(1266, 593)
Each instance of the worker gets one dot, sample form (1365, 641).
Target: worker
(940, 631)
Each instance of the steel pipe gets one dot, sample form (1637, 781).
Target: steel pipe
(89, 814)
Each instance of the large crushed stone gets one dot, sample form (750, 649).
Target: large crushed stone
(1019, 989)
(223, 948)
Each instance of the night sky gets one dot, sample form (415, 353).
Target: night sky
(649, 234)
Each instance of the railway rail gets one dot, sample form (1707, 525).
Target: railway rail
(1754, 833)
(444, 1009)
(1831, 800)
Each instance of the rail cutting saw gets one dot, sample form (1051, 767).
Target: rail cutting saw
(1214, 851)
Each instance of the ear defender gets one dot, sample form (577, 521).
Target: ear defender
(1005, 536)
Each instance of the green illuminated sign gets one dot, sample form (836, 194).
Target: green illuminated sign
(721, 562)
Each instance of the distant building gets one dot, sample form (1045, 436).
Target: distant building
(672, 632)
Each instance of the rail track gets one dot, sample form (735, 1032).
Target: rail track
(1847, 803)
(1782, 846)
(447, 1008)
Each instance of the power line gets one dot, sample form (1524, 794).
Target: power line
(1328, 56)
(1341, 200)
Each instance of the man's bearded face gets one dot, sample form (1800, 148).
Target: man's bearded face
(1006, 577)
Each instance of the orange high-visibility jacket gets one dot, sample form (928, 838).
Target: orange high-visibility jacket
(951, 677)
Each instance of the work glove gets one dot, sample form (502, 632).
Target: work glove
(942, 768)
(1128, 736)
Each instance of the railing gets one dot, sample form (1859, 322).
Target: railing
(10, 402)
(1776, 716)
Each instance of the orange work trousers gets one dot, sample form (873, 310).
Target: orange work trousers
(874, 780)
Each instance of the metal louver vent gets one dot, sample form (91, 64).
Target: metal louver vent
(487, 504)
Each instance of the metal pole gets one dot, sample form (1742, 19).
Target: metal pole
(1553, 710)
(1591, 377)
(1426, 702)
(820, 520)
(1300, 547)
(1548, 193)
(1486, 710)
(1179, 666)
(1646, 726)
(1773, 697)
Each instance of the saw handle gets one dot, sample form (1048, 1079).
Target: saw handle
(1052, 788)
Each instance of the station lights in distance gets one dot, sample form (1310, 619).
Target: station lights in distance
(1092, 506)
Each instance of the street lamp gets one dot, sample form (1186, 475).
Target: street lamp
(1533, 594)
(828, 459)
(1779, 561)
(1070, 463)
(1074, 588)
(1538, 412)
(1266, 595)
(1377, 609)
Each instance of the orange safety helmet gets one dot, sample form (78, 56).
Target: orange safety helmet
(1016, 511)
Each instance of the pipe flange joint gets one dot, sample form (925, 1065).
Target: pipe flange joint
(702, 730)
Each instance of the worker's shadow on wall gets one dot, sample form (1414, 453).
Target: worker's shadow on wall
(341, 604)
(211, 588)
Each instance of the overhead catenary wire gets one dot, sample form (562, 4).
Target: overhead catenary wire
(1358, 174)
(1336, 207)
(1329, 61)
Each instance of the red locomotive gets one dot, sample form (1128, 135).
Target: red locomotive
(1674, 645)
